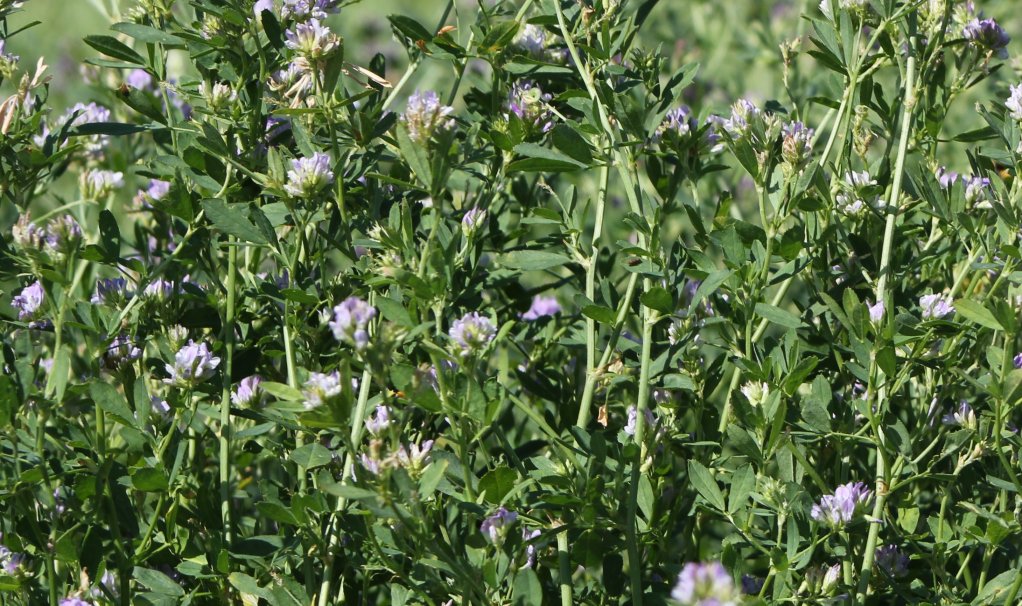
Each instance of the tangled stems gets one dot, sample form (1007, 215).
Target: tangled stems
(883, 294)
(225, 401)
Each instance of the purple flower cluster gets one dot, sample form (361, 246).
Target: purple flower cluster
(157, 189)
(30, 302)
(708, 584)
(542, 307)
(11, 561)
(52, 243)
(529, 103)
(840, 508)
(193, 364)
(936, 306)
(891, 561)
(321, 388)
(495, 526)
(96, 184)
(963, 416)
(472, 332)
(858, 193)
(473, 219)
(121, 352)
(987, 35)
(312, 40)
(248, 392)
(1014, 102)
(309, 175)
(351, 322)
(425, 116)
(797, 144)
(633, 418)
(75, 601)
(380, 420)
(299, 10)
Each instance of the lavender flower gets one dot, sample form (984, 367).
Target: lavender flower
(946, 178)
(876, 311)
(193, 364)
(30, 302)
(370, 464)
(976, 188)
(96, 184)
(472, 332)
(963, 416)
(156, 190)
(139, 79)
(542, 307)
(413, 458)
(75, 601)
(294, 82)
(527, 101)
(841, 507)
(530, 547)
(744, 114)
(81, 114)
(248, 392)
(678, 121)
(309, 175)
(633, 418)
(532, 40)
(1018, 360)
(709, 584)
(260, 6)
(1014, 102)
(891, 561)
(936, 306)
(858, 192)
(312, 40)
(495, 527)
(160, 290)
(796, 145)
(474, 218)
(987, 35)
(121, 352)
(308, 9)
(751, 585)
(320, 388)
(63, 235)
(351, 322)
(379, 421)
(425, 117)
(28, 236)
(10, 561)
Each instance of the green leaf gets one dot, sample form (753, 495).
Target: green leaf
(248, 585)
(8, 400)
(112, 402)
(57, 381)
(112, 47)
(743, 482)
(282, 391)
(708, 286)
(975, 312)
(533, 260)
(233, 219)
(415, 156)
(431, 477)
(146, 34)
(814, 407)
(149, 479)
(497, 483)
(542, 159)
(109, 235)
(114, 129)
(778, 316)
(603, 315)
(574, 145)
(659, 299)
(157, 581)
(311, 456)
(705, 485)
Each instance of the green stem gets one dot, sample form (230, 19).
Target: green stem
(883, 294)
(641, 406)
(564, 564)
(225, 401)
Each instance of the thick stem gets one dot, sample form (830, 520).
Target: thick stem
(564, 564)
(641, 406)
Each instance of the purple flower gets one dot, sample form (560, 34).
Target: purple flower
(425, 117)
(262, 5)
(530, 547)
(542, 307)
(248, 392)
(75, 601)
(841, 507)
(751, 585)
(633, 418)
(976, 188)
(743, 114)
(1014, 102)
(312, 40)
(88, 114)
(309, 175)
(527, 101)
(27, 235)
(963, 416)
(414, 457)
(494, 527)
(156, 190)
(139, 78)
(1018, 360)
(110, 291)
(946, 178)
(472, 332)
(320, 388)
(30, 302)
(709, 584)
(10, 561)
(306, 9)
(121, 352)
(473, 219)
(370, 464)
(532, 40)
(193, 364)
(797, 144)
(351, 322)
(678, 120)
(160, 290)
(988, 35)
(936, 306)
(379, 421)
(876, 311)
(891, 561)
